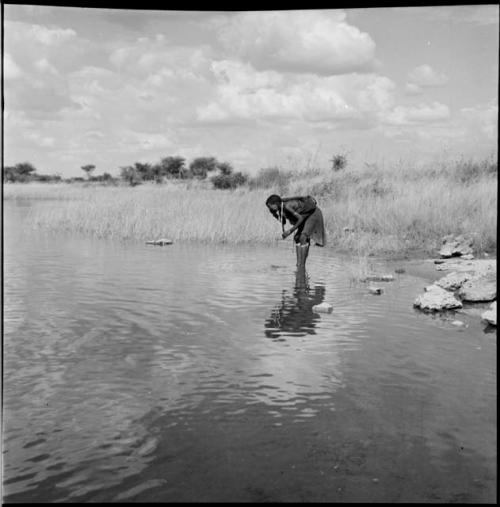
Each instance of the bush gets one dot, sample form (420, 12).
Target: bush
(200, 166)
(21, 173)
(468, 171)
(228, 181)
(339, 161)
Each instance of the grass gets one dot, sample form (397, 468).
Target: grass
(391, 210)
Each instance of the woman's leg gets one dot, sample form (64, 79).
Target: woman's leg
(302, 250)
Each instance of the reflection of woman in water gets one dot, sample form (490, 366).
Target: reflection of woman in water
(306, 218)
(294, 315)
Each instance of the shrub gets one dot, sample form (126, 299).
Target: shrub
(200, 166)
(228, 181)
(339, 161)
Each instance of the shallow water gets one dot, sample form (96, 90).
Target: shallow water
(200, 373)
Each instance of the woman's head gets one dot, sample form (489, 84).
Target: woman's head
(273, 202)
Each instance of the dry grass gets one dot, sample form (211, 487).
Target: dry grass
(389, 210)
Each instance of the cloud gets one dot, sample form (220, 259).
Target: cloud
(413, 89)
(244, 93)
(486, 116)
(51, 36)
(39, 139)
(320, 42)
(426, 76)
(423, 113)
(10, 69)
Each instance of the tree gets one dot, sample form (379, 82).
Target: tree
(145, 171)
(130, 175)
(88, 169)
(225, 168)
(200, 166)
(21, 172)
(172, 167)
(228, 181)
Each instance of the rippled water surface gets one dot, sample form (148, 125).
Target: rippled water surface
(198, 372)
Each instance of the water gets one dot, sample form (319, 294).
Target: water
(200, 373)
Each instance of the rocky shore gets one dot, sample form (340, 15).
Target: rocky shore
(468, 280)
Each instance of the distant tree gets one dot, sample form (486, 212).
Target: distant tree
(228, 181)
(225, 168)
(200, 166)
(145, 171)
(22, 172)
(172, 167)
(130, 175)
(88, 169)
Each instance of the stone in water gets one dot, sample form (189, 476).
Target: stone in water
(323, 308)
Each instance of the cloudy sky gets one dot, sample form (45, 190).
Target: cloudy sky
(290, 88)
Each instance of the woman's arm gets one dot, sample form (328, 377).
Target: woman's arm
(300, 219)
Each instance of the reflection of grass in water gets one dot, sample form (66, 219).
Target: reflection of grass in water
(387, 209)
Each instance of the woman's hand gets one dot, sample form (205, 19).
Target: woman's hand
(285, 234)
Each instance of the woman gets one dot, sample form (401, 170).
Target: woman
(306, 218)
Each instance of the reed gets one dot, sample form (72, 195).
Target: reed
(388, 210)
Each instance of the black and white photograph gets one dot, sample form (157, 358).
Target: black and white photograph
(249, 254)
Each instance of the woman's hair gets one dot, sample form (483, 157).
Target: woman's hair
(276, 199)
(273, 199)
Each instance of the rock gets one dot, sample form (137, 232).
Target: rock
(457, 323)
(480, 288)
(456, 246)
(378, 278)
(478, 266)
(323, 308)
(400, 271)
(468, 257)
(439, 261)
(453, 281)
(375, 290)
(490, 315)
(436, 298)
(161, 242)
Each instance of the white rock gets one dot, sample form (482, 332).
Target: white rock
(457, 323)
(468, 257)
(378, 278)
(453, 281)
(436, 298)
(323, 308)
(490, 315)
(459, 245)
(482, 288)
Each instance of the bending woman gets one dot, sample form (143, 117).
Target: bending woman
(306, 219)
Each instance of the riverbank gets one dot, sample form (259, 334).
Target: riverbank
(398, 212)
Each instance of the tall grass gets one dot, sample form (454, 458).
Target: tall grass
(395, 209)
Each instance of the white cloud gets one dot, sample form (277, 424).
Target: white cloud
(314, 41)
(484, 115)
(413, 89)
(244, 93)
(51, 36)
(425, 76)
(39, 139)
(43, 65)
(422, 113)
(10, 69)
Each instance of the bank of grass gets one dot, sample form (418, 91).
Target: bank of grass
(393, 210)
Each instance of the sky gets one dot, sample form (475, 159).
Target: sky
(287, 88)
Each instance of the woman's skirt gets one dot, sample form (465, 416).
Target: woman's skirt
(313, 227)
